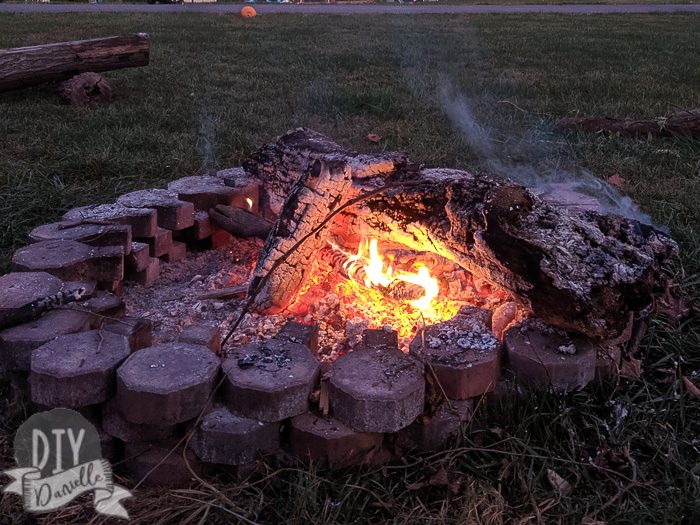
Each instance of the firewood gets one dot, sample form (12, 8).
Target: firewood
(682, 123)
(86, 90)
(577, 270)
(32, 65)
(240, 222)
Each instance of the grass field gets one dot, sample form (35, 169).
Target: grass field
(219, 86)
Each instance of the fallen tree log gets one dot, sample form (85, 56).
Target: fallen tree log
(32, 65)
(682, 123)
(239, 222)
(577, 270)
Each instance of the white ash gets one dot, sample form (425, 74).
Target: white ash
(173, 303)
(353, 330)
(466, 333)
(569, 349)
(537, 324)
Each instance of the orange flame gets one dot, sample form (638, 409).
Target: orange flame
(249, 202)
(379, 273)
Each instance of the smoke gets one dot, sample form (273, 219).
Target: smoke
(209, 125)
(535, 161)
(536, 157)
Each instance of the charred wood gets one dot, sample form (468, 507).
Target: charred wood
(578, 270)
(240, 222)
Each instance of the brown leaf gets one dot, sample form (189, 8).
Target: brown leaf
(616, 180)
(692, 389)
(559, 484)
(631, 368)
(373, 137)
(675, 308)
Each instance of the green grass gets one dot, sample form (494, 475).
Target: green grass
(219, 86)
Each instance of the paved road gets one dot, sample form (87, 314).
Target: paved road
(349, 9)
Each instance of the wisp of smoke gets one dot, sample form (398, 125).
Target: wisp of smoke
(208, 127)
(540, 168)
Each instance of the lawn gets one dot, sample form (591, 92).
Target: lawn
(219, 86)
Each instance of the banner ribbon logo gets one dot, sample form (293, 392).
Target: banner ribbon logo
(50, 493)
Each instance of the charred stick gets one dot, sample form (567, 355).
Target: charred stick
(37, 308)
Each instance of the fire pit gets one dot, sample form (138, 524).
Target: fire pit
(361, 307)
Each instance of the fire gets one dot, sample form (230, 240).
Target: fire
(375, 286)
(376, 272)
(249, 202)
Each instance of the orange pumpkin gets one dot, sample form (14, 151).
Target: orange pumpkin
(248, 12)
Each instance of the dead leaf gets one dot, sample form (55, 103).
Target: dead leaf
(675, 308)
(631, 368)
(373, 137)
(617, 181)
(559, 484)
(667, 375)
(692, 389)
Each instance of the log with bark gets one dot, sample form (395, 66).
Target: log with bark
(682, 123)
(32, 65)
(578, 270)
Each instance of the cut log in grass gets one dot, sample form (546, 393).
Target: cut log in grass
(88, 90)
(28, 66)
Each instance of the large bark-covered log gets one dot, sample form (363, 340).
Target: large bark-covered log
(578, 270)
(281, 163)
(32, 65)
(681, 123)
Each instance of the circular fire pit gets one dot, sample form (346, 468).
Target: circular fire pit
(384, 300)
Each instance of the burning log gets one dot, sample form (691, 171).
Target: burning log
(682, 123)
(282, 163)
(577, 270)
(240, 222)
(315, 194)
(32, 65)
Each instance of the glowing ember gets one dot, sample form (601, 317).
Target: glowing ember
(349, 290)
